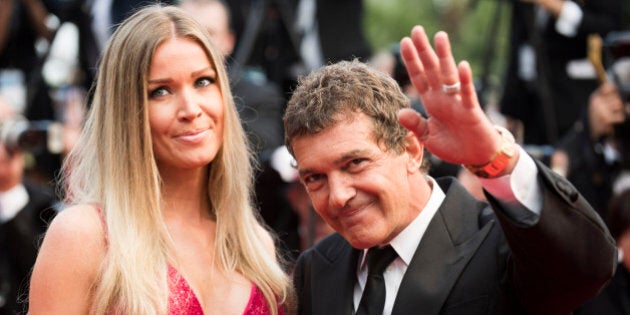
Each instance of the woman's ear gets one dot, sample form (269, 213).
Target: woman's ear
(415, 151)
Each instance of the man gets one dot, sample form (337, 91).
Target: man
(542, 251)
(25, 211)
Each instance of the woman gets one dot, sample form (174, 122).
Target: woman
(160, 181)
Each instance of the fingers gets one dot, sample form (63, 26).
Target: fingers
(448, 69)
(413, 65)
(427, 56)
(431, 69)
(468, 92)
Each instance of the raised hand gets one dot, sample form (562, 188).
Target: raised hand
(456, 130)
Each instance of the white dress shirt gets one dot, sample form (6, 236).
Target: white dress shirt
(12, 201)
(519, 194)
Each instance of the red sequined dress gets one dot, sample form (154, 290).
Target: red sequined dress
(182, 299)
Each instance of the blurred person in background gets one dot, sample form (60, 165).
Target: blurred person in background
(96, 20)
(588, 154)
(594, 155)
(27, 28)
(548, 78)
(288, 39)
(23, 23)
(25, 211)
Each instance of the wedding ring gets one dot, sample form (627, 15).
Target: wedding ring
(451, 88)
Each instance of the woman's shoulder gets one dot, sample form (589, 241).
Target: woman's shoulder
(76, 236)
(68, 261)
(82, 224)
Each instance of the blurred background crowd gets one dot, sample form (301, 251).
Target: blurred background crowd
(555, 72)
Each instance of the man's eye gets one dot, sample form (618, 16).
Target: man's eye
(158, 92)
(311, 179)
(356, 162)
(312, 182)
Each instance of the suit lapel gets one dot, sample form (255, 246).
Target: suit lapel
(333, 287)
(449, 242)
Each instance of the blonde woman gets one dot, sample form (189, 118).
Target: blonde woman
(161, 220)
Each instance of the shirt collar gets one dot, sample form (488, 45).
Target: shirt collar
(407, 241)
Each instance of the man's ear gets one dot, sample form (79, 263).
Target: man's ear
(415, 151)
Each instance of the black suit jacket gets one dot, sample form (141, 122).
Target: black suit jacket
(20, 238)
(472, 260)
(614, 300)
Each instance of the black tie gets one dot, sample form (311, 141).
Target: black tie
(373, 298)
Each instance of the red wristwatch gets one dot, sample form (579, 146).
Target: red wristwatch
(500, 160)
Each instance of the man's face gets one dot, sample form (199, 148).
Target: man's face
(359, 189)
(11, 168)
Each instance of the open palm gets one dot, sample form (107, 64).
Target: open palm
(456, 130)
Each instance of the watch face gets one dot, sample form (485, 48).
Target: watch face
(497, 165)
(502, 158)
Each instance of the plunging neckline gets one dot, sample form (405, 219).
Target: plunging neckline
(183, 299)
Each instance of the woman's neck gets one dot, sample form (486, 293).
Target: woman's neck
(185, 194)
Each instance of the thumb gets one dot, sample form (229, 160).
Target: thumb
(413, 121)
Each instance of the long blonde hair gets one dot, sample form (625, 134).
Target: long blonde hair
(113, 166)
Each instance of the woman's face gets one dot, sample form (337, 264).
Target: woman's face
(186, 106)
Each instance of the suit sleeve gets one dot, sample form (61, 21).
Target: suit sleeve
(564, 259)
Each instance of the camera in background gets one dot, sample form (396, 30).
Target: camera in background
(19, 134)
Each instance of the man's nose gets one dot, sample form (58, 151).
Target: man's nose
(341, 190)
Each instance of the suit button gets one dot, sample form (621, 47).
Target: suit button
(566, 189)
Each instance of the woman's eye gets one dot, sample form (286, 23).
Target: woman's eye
(158, 92)
(205, 81)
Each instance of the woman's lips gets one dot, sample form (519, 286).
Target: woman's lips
(193, 137)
